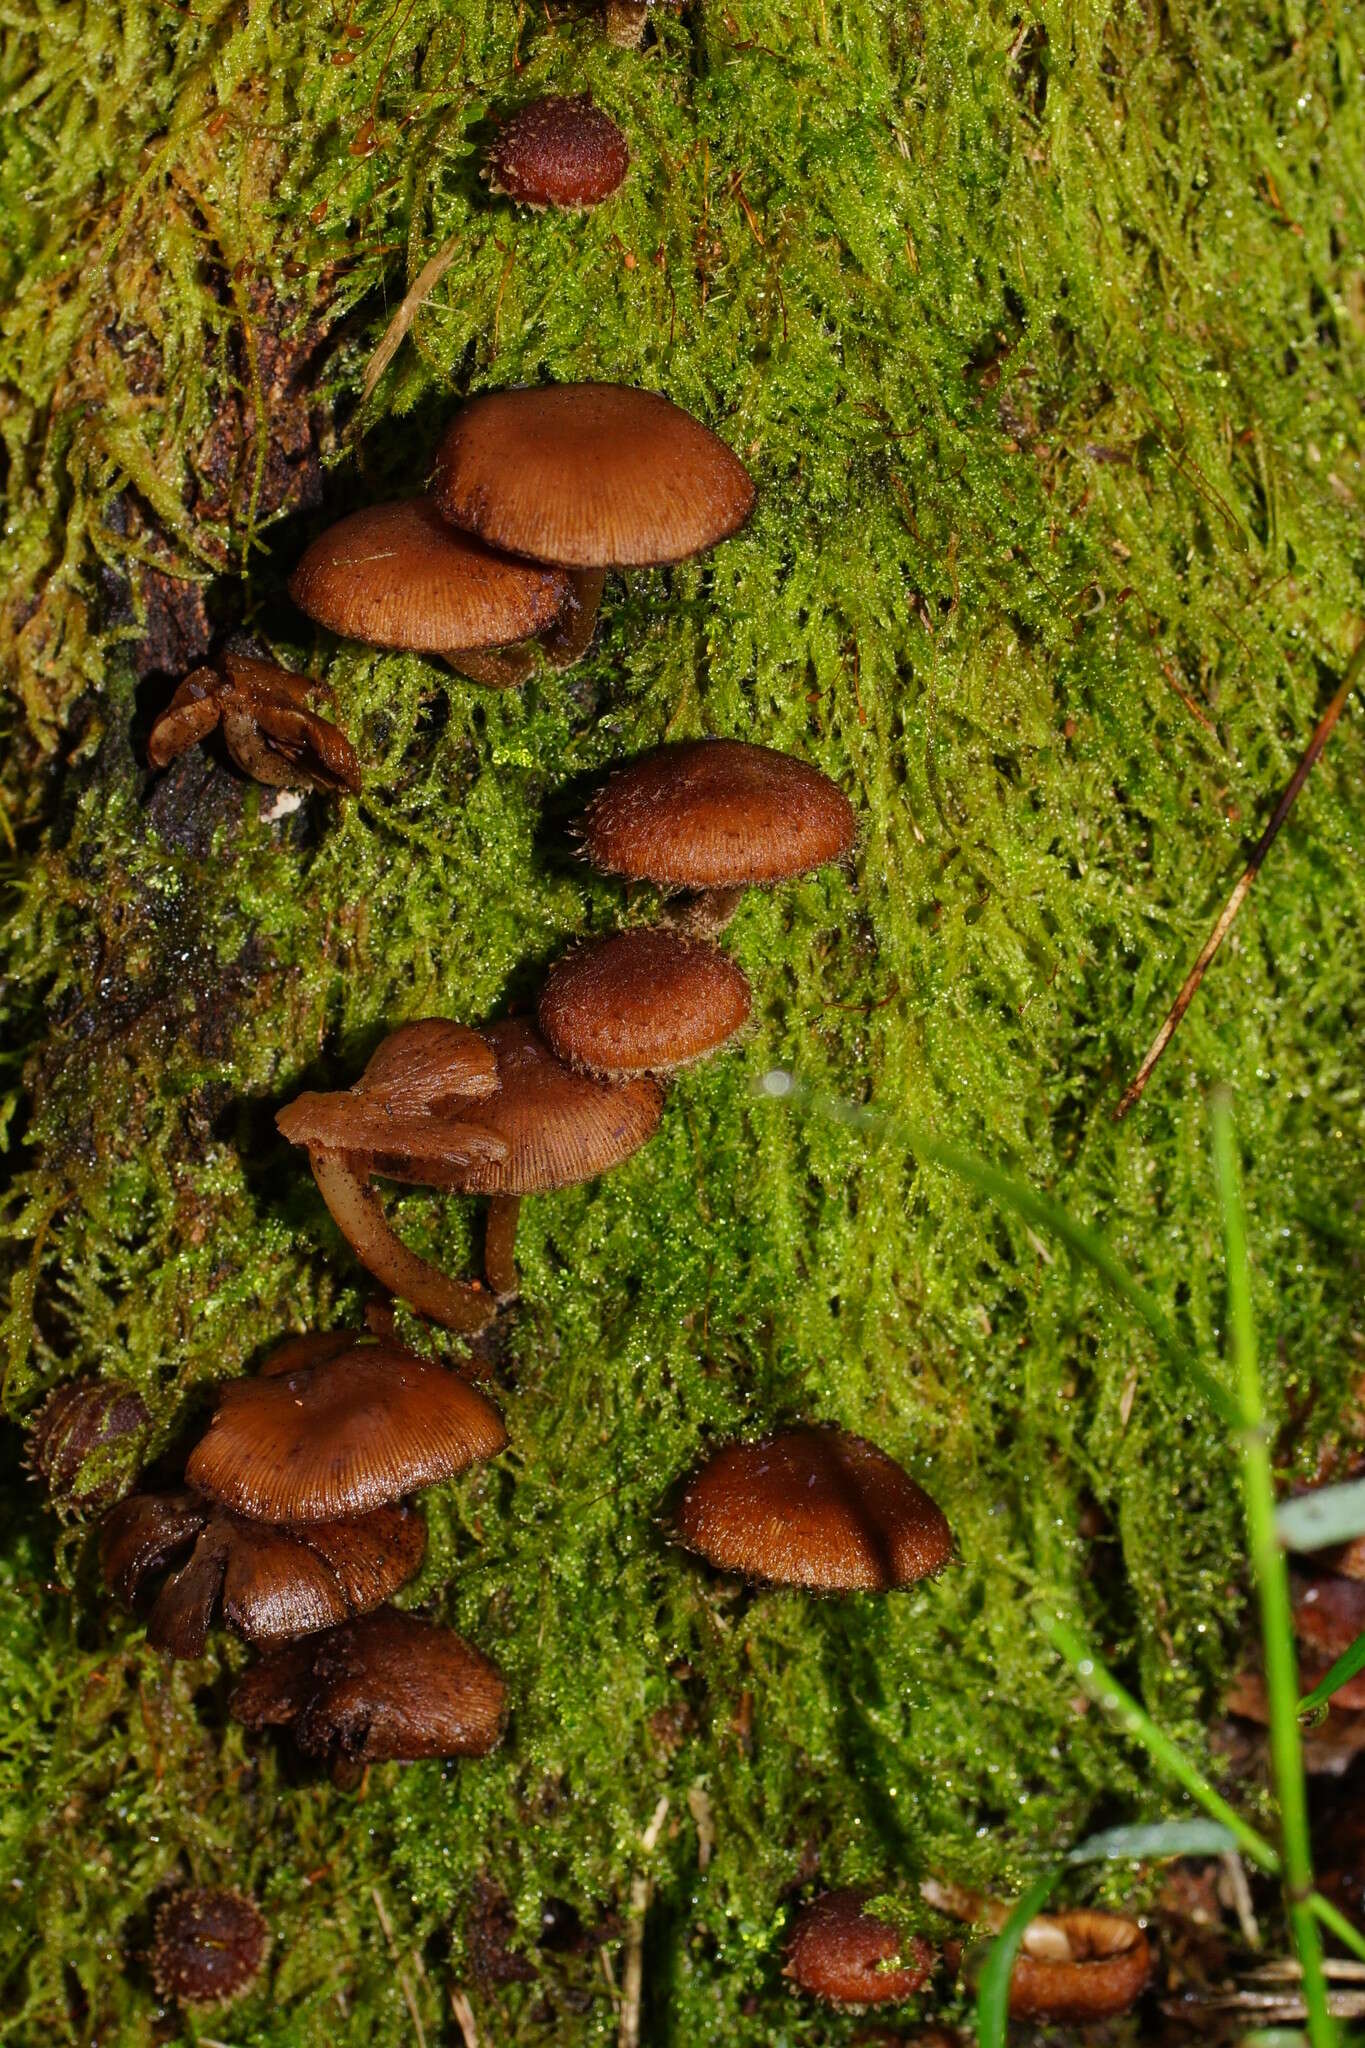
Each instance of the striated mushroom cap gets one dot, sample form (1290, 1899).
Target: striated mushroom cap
(816, 1508)
(1083, 1965)
(837, 1951)
(641, 1002)
(427, 1066)
(208, 1947)
(558, 152)
(716, 814)
(85, 1440)
(333, 1440)
(596, 476)
(273, 1583)
(390, 1687)
(398, 576)
(403, 1116)
(560, 1127)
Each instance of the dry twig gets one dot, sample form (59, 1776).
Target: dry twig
(421, 288)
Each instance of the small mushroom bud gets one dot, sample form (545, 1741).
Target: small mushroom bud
(86, 1442)
(642, 1002)
(839, 1952)
(1082, 1965)
(209, 1947)
(558, 152)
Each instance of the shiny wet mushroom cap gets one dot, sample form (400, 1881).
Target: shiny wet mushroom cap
(270, 727)
(839, 1952)
(333, 1440)
(398, 576)
(816, 1508)
(208, 1948)
(1077, 1966)
(596, 476)
(558, 152)
(388, 1687)
(85, 1442)
(642, 1001)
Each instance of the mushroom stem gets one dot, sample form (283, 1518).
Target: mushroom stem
(500, 1245)
(570, 637)
(255, 756)
(495, 668)
(626, 23)
(356, 1211)
(705, 914)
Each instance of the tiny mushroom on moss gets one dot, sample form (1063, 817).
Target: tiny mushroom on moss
(85, 1442)
(558, 151)
(815, 1508)
(269, 726)
(838, 1951)
(331, 1441)
(644, 1001)
(208, 1946)
(1077, 1966)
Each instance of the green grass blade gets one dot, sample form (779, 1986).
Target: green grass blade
(993, 1992)
(1347, 1664)
(1151, 1841)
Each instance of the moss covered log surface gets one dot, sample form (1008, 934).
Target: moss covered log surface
(1044, 337)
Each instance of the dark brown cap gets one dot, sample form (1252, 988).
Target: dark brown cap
(208, 1947)
(269, 725)
(273, 1583)
(85, 1442)
(642, 1001)
(192, 714)
(711, 814)
(332, 1441)
(388, 1687)
(558, 152)
(1083, 1965)
(837, 1951)
(560, 1127)
(816, 1508)
(397, 576)
(597, 476)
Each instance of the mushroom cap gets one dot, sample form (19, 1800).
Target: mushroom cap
(597, 476)
(273, 733)
(333, 1440)
(388, 1687)
(208, 1946)
(274, 1583)
(559, 152)
(816, 1508)
(396, 575)
(560, 1127)
(711, 814)
(191, 716)
(84, 1441)
(1083, 1965)
(405, 1108)
(643, 1001)
(837, 1951)
(428, 1065)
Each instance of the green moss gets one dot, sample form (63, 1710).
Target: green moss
(1044, 340)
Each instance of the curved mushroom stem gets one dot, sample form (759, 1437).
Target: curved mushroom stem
(705, 914)
(496, 668)
(626, 23)
(255, 756)
(570, 637)
(356, 1211)
(500, 1245)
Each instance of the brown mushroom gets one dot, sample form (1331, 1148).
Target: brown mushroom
(387, 1687)
(816, 1508)
(273, 1583)
(1076, 1966)
(716, 816)
(329, 1442)
(85, 1442)
(839, 1952)
(208, 1947)
(558, 151)
(269, 727)
(643, 1001)
(595, 476)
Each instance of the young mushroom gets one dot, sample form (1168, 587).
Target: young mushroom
(85, 1442)
(558, 151)
(390, 1687)
(1078, 1966)
(839, 1952)
(269, 727)
(331, 1441)
(273, 1583)
(644, 1001)
(715, 817)
(208, 1947)
(815, 1508)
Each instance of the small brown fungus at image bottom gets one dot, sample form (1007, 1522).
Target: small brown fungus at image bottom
(839, 1952)
(85, 1442)
(208, 1947)
(645, 1001)
(269, 726)
(1080, 1965)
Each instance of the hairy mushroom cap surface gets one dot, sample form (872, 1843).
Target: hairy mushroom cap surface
(331, 1441)
(398, 576)
(85, 1440)
(390, 1687)
(716, 814)
(559, 1126)
(642, 1001)
(596, 476)
(1083, 1965)
(837, 1951)
(816, 1508)
(273, 1583)
(208, 1947)
(558, 152)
